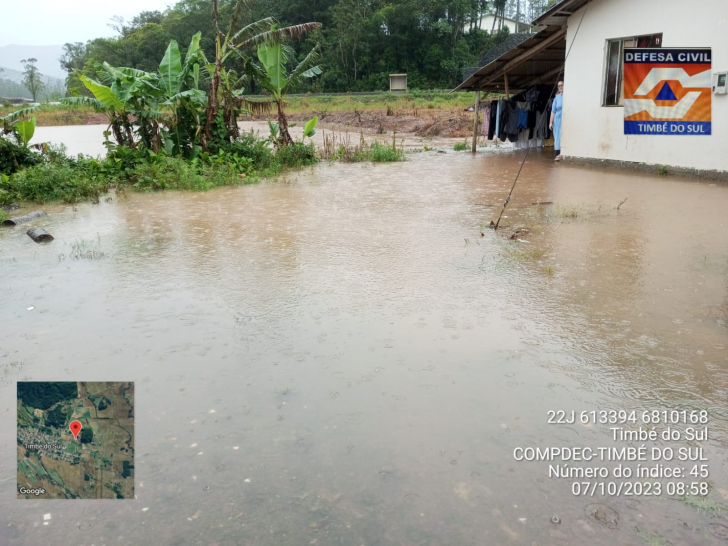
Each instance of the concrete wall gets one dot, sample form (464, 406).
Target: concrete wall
(590, 130)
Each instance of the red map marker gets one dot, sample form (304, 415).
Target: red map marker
(75, 427)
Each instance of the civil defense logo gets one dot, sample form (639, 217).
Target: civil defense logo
(667, 91)
(677, 111)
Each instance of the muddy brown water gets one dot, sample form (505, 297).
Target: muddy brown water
(338, 356)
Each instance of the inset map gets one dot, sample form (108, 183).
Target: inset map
(75, 440)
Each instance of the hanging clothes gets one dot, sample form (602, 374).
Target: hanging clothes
(486, 121)
(532, 94)
(511, 125)
(502, 119)
(522, 122)
(556, 109)
(532, 122)
(542, 124)
(493, 116)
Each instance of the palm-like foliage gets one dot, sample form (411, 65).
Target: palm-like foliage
(166, 109)
(273, 57)
(9, 122)
(135, 101)
(20, 124)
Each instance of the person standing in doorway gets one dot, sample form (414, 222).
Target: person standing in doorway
(555, 123)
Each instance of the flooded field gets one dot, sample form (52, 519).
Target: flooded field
(347, 355)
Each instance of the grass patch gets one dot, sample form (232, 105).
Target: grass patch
(704, 505)
(567, 211)
(662, 170)
(81, 249)
(582, 211)
(532, 254)
(340, 148)
(381, 153)
(460, 146)
(297, 155)
(651, 538)
(548, 270)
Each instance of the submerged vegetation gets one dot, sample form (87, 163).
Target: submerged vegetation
(340, 148)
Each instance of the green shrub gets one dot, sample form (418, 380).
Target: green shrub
(460, 146)
(381, 153)
(3, 216)
(296, 155)
(167, 173)
(53, 181)
(14, 158)
(257, 150)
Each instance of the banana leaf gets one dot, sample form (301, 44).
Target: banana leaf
(10, 118)
(271, 56)
(25, 130)
(103, 94)
(171, 68)
(193, 49)
(85, 101)
(310, 128)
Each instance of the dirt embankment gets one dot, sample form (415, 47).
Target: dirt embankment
(452, 123)
(424, 123)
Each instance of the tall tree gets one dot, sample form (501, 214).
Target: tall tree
(350, 17)
(73, 61)
(32, 77)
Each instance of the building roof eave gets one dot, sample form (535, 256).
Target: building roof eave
(558, 14)
(539, 56)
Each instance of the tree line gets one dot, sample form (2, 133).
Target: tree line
(31, 85)
(361, 42)
(43, 395)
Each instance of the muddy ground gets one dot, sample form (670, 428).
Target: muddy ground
(449, 123)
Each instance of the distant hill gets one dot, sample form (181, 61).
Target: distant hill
(11, 85)
(48, 64)
(17, 77)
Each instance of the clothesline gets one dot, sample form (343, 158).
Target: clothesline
(528, 111)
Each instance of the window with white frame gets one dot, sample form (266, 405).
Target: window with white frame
(613, 84)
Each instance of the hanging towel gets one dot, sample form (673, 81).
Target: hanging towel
(493, 115)
(522, 122)
(486, 121)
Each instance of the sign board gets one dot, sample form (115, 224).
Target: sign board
(667, 91)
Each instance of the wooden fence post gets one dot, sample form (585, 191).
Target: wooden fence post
(475, 120)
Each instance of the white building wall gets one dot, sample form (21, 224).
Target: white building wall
(592, 131)
(486, 23)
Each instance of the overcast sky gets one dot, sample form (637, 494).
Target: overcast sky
(54, 22)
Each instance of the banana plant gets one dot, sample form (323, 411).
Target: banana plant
(18, 124)
(222, 85)
(310, 128)
(134, 101)
(25, 130)
(273, 58)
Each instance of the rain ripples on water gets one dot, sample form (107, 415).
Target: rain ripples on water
(371, 359)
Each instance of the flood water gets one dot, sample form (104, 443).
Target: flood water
(346, 355)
